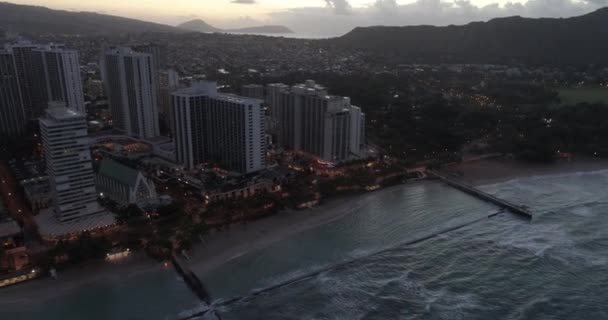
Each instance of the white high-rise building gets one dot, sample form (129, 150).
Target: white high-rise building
(69, 165)
(310, 120)
(12, 116)
(214, 127)
(57, 71)
(131, 89)
(357, 129)
(23, 56)
(273, 97)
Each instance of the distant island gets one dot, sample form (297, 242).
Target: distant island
(202, 26)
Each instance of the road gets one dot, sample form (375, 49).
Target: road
(16, 205)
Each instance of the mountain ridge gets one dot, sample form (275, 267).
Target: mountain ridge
(39, 20)
(542, 40)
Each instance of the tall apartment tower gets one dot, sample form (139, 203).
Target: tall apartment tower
(23, 55)
(131, 89)
(159, 62)
(57, 71)
(255, 91)
(69, 165)
(310, 120)
(12, 116)
(273, 96)
(213, 127)
(357, 129)
(169, 82)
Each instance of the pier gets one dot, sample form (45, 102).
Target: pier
(193, 282)
(517, 209)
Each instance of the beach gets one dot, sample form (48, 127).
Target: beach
(220, 247)
(223, 246)
(87, 275)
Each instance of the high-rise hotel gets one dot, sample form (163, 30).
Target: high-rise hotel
(131, 89)
(213, 127)
(12, 115)
(23, 56)
(46, 73)
(57, 71)
(308, 119)
(69, 165)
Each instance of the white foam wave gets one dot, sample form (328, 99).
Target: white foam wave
(545, 177)
(549, 241)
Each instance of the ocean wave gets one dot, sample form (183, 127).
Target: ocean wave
(540, 177)
(551, 241)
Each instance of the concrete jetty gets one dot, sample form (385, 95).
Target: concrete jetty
(193, 282)
(514, 208)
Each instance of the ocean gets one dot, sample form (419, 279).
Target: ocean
(418, 251)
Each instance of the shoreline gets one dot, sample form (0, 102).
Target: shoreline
(225, 246)
(89, 274)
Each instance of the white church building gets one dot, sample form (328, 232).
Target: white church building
(125, 185)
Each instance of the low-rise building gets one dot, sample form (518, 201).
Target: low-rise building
(125, 185)
(14, 257)
(38, 193)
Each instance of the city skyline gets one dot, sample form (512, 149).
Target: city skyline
(334, 17)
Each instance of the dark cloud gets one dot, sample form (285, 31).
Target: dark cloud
(340, 17)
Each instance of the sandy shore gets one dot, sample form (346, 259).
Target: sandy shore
(39, 290)
(221, 247)
(492, 171)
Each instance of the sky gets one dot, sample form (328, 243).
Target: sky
(325, 17)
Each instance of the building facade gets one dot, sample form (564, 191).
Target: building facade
(213, 127)
(12, 116)
(69, 165)
(131, 89)
(125, 185)
(57, 71)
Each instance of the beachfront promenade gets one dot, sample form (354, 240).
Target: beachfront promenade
(517, 209)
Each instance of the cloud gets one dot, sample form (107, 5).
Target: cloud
(339, 17)
(340, 6)
(243, 1)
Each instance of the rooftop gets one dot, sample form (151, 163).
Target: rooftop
(238, 99)
(49, 226)
(58, 111)
(199, 88)
(125, 51)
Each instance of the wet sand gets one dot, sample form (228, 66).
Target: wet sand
(221, 247)
(90, 274)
